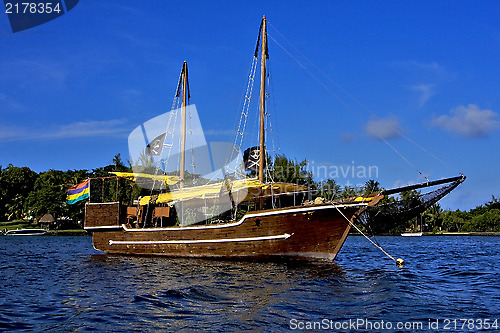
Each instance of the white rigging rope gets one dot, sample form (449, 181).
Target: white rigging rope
(273, 134)
(173, 113)
(241, 122)
(193, 164)
(240, 131)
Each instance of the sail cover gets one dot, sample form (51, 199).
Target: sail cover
(243, 190)
(135, 176)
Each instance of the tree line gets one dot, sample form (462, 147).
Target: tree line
(26, 194)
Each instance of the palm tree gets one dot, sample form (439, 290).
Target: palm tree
(433, 216)
(330, 190)
(371, 186)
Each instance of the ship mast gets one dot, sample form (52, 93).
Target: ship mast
(262, 154)
(183, 125)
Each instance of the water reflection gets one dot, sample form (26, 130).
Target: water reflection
(62, 284)
(237, 292)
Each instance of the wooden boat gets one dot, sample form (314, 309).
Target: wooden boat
(315, 232)
(273, 224)
(26, 232)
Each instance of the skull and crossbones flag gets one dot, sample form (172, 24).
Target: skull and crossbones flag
(251, 159)
(155, 147)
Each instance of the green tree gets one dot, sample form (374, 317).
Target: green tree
(105, 187)
(286, 170)
(486, 222)
(49, 194)
(453, 221)
(483, 218)
(119, 165)
(143, 164)
(371, 186)
(2, 195)
(15, 185)
(433, 218)
(350, 192)
(330, 190)
(494, 203)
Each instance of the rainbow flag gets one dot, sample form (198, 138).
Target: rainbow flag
(78, 192)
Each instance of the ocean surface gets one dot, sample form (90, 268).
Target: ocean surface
(61, 284)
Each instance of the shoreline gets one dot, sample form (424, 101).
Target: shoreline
(13, 225)
(78, 232)
(74, 232)
(472, 233)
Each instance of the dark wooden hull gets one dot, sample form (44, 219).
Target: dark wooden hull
(306, 232)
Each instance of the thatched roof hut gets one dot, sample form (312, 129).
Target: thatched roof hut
(47, 218)
(47, 221)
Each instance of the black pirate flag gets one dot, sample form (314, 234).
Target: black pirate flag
(155, 147)
(251, 159)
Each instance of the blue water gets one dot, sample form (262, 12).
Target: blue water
(61, 284)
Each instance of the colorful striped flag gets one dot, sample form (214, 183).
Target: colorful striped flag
(78, 192)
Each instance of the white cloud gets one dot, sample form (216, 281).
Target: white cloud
(89, 128)
(423, 78)
(469, 121)
(10, 103)
(383, 129)
(9, 132)
(418, 67)
(347, 137)
(74, 130)
(34, 74)
(426, 91)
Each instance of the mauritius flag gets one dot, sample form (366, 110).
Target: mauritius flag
(78, 192)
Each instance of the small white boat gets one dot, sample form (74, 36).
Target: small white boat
(420, 226)
(412, 234)
(26, 232)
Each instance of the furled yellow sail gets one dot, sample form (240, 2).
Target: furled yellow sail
(167, 180)
(244, 189)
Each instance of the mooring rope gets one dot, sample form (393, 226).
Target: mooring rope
(399, 261)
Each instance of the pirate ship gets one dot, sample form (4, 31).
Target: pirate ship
(256, 217)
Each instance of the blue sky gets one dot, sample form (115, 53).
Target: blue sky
(422, 75)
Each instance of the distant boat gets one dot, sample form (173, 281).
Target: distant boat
(26, 232)
(412, 234)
